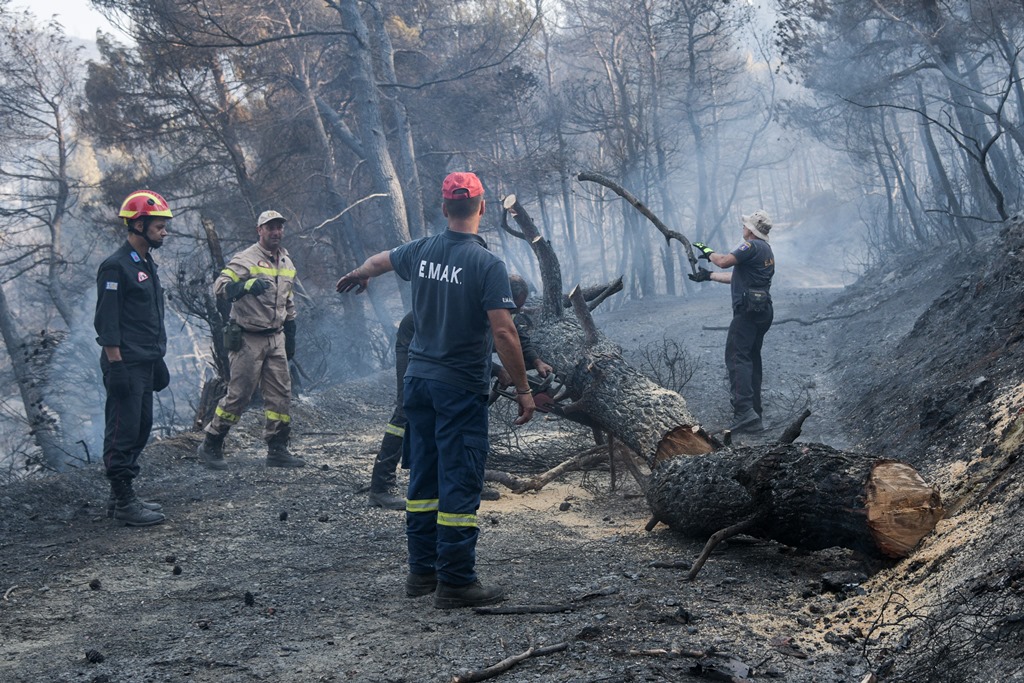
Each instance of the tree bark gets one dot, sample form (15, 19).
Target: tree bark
(609, 394)
(30, 360)
(808, 496)
(550, 270)
(371, 125)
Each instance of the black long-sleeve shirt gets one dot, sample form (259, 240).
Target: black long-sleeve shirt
(130, 306)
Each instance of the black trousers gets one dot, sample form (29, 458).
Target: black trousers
(743, 358)
(129, 421)
(390, 453)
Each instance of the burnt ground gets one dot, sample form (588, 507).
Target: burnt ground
(269, 575)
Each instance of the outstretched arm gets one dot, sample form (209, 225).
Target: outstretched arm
(358, 279)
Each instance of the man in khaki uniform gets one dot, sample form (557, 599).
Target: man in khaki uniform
(258, 281)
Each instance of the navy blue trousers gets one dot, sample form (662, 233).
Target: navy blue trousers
(743, 358)
(446, 445)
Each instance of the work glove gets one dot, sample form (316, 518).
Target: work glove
(161, 375)
(289, 339)
(254, 286)
(119, 382)
(702, 275)
(705, 250)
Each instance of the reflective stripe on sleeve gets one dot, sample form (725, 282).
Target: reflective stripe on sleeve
(281, 417)
(272, 272)
(231, 274)
(395, 430)
(451, 519)
(428, 505)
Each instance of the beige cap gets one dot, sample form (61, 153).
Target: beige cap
(758, 223)
(268, 216)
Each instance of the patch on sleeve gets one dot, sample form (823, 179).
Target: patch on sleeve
(112, 285)
(744, 246)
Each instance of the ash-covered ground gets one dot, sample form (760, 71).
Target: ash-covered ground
(269, 575)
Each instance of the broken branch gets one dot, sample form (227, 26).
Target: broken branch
(506, 664)
(642, 208)
(715, 539)
(524, 609)
(793, 430)
(579, 306)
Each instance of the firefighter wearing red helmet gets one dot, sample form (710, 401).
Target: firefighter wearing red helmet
(130, 327)
(259, 282)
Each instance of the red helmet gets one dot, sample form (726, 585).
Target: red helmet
(143, 203)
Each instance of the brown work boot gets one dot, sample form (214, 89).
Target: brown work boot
(417, 585)
(211, 452)
(470, 595)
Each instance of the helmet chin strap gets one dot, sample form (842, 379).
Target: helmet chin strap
(143, 235)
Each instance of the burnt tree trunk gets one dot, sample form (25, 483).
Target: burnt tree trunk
(807, 496)
(606, 392)
(609, 394)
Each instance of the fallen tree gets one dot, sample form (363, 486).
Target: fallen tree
(601, 389)
(808, 496)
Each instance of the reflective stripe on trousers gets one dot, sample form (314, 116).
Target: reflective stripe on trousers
(261, 362)
(447, 441)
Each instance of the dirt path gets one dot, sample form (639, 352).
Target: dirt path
(263, 575)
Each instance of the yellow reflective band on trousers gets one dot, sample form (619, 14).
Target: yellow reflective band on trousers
(451, 519)
(395, 431)
(271, 415)
(225, 415)
(272, 272)
(231, 274)
(427, 505)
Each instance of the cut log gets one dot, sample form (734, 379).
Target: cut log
(808, 496)
(608, 393)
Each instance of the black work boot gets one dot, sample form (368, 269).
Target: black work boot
(278, 455)
(470, 595)
(128, 509)
(211, 452)
(417, 585)
(112, 503)
(747, 422)
(387, 499)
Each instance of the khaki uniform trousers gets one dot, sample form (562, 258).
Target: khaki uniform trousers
(261, 362)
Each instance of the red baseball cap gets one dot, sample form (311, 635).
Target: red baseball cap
(461, 185)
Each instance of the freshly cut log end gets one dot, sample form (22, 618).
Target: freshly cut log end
(808, 496)
(901, 508)
(683, 440)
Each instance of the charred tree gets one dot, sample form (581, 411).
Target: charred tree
(609, 394)
(808, 496)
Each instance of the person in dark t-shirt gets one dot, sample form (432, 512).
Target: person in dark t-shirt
(461, 301)
(753, 266)
(383, 478)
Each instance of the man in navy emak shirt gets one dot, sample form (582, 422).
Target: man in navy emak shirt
(461, 305)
